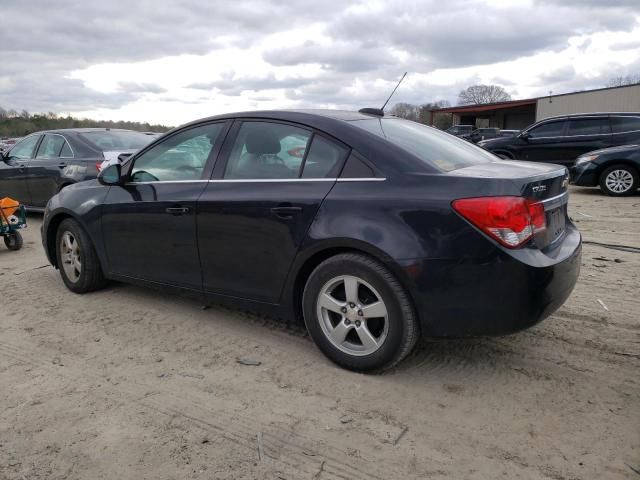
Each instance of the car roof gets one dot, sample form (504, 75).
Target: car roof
(592, 114)
(86, 130)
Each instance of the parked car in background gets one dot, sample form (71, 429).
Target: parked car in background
(563, 139)
(509, 133)
(460, 130)
(616, 170)
(371, 228)
(41, 164)
(484, 134)
(7, 143)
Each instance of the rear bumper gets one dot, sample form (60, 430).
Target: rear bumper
(495, 296)
(584, 174)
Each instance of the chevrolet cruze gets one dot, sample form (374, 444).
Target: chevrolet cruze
(372, 229)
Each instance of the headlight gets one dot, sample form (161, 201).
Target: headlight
(586, 158)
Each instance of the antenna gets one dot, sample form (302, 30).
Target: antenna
(394, 91)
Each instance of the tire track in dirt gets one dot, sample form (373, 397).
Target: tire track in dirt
(280, 446)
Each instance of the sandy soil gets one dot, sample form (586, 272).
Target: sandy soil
(129, 383)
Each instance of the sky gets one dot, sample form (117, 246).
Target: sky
(171, 62)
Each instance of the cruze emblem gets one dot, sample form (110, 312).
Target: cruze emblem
(539, 188)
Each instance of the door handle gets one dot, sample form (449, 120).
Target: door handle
(286, 213)
(62, 165)
(177, 210)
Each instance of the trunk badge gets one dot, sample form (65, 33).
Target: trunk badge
(539, 188)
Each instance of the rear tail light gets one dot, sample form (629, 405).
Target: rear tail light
(510, 220)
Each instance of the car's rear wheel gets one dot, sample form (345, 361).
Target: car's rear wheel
(358, 314)
(77, 259)
(619, 180)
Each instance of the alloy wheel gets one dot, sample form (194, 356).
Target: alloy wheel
(619, 181)
(70, 256)
(353, 315)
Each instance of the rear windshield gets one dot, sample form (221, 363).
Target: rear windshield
(434, 147)
(117, 140)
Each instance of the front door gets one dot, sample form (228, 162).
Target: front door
(544, 143)
(149, 223)
(13, 170)
(253, 216)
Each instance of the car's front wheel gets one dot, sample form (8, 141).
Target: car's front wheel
(358, 314)
(77, 259)
(619, 180)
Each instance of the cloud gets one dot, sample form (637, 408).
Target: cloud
(161, 60)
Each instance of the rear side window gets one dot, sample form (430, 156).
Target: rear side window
(434, 147)
(324, 159)
(51, 146)
(588, 126)
(549, 129)
(625, 124)
(265, 150)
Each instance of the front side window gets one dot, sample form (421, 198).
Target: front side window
(182, 156)
(587, 126)
(24, 148)
(549, 129)
(265, 150)
(625, 124)
(51, 146)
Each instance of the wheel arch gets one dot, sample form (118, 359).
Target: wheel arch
(618, 161)
(308, 260)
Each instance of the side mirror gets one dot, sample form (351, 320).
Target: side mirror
(123, 157)
(112, 175)
(524, 135)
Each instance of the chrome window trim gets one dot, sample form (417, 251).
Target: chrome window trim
(264, 180)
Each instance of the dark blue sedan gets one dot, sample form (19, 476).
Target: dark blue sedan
(373, 229)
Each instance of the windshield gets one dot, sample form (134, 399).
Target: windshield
(107, 140)
(434, 147)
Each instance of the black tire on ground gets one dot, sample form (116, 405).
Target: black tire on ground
(91, 277)
(624, 170)
(403, 330)
(13, 241)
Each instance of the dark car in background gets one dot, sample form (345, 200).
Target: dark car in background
(509, 133)
(616, 170)
(563, 139)
(371, 228)
(484, 134)
(41, 164)
(460, 130)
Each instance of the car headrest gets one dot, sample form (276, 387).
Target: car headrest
(262, 141)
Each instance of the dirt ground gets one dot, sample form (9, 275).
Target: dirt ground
(128, 383)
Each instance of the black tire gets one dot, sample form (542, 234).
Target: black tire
(13, 241)
(402, 331)
(91, 277)
(606, 189)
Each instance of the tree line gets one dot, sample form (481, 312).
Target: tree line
(19, 124)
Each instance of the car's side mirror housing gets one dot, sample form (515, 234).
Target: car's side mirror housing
(524, 135)
(112, 175)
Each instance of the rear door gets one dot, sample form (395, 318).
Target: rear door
(585, 134)
(149, 224)
(13, 170)
(45, 171)
(256, 211)
(545, 143)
